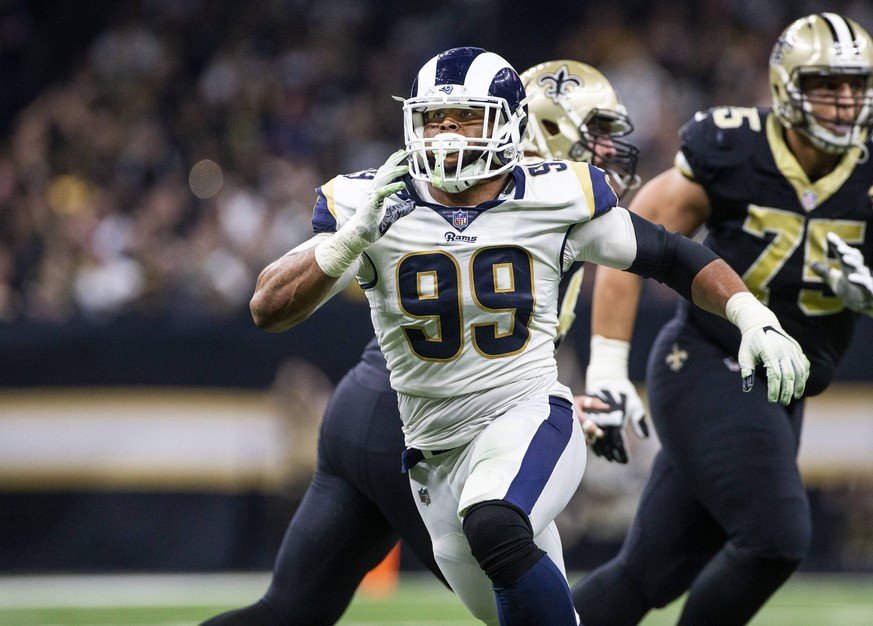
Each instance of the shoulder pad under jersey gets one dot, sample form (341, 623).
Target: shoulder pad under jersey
(722, 137)
(596, 187)
(343, 190)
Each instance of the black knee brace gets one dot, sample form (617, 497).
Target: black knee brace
(501, 540)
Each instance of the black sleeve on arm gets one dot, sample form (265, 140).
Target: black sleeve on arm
(668, 257)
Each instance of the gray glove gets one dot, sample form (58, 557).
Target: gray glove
(851, 282)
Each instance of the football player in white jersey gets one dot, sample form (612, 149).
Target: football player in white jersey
(356, 506)
(460, 249)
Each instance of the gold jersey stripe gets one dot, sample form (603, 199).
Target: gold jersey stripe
(327, 191)
(680, 162)
(583, 175)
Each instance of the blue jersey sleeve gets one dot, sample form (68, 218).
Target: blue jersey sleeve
(323, 220)
(604, 196)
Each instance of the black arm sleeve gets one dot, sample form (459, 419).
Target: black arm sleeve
(668, 257)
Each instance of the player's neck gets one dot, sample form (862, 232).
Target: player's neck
(813, 161)
(483, 191)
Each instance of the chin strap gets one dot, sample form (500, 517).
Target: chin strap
(865, 152)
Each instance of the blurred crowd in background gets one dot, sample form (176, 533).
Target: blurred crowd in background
(156, 154)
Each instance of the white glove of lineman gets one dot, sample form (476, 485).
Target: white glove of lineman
(852, 282)
(607, 379)
(370, 220)
(764, 341)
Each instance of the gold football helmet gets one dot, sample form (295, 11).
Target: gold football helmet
(823, 44)
(572, 108)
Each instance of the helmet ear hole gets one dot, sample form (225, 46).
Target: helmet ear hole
(551, 127)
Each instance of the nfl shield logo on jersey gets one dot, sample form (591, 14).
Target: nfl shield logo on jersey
(424, 496)
(460, 219)
(809, 200)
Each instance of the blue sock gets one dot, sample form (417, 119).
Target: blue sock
(539, 596)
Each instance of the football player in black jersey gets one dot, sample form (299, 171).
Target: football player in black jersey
(785, 198)
(358, 504)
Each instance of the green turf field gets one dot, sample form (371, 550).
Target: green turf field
(807, 600)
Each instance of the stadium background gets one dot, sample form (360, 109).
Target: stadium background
(156, 154)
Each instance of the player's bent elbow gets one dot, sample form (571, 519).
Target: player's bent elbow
(269, 315)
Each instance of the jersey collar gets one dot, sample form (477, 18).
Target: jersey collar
(809, 194)
(461, 217)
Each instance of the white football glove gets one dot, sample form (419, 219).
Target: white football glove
(370, 221)
(764, 341)
(607, 379)
(851, 282)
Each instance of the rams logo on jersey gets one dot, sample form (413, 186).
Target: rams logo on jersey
(462, 238)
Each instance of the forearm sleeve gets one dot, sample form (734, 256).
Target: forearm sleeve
(668, 257)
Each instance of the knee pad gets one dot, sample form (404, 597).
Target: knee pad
(784, 535)
(501, 540)
(776, 567)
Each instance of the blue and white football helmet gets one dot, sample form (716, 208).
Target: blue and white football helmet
(466, 78)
